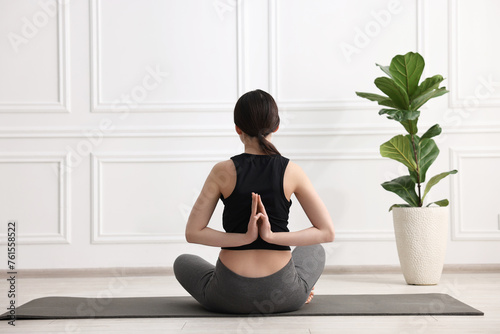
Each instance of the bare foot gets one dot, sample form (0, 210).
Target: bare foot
(311, 296)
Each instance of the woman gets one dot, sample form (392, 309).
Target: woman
(256, 271)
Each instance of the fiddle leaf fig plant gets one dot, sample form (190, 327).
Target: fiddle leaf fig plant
(404, 96)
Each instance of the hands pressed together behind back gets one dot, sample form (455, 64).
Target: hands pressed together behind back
(259, 221)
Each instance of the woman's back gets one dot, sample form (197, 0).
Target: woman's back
(261, 174)
(264, 174)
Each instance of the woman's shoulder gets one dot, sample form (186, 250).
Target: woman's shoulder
(294, 176)
(223, 169)
(224, 175)
(296, 179)
(223, 165)
(294, 169)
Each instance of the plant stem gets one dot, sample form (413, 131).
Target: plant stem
(418, 170)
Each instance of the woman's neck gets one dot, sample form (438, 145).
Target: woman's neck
(253, 148)
(252, 145)
(254, 152)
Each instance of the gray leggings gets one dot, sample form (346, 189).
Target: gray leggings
(219, 289)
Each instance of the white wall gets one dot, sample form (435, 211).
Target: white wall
(112, 113)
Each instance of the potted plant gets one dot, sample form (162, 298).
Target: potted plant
(421, 231)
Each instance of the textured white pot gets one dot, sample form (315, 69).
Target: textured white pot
(421, 236)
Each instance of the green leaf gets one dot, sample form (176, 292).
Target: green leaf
(399, 206)
(404, 187)
(395, 114)
(422, 99)
(410, 115)
(443, 202)
(400, 115)
(388, 103)
(394, 91)
(416, 139)
(410, 126)
(372, 97)
(427, 153)
(399, 149)
(435, 179)
(385, 69)
(407, 70)
(427, 85)
(433, 131)
(407, 118)
(382, 100)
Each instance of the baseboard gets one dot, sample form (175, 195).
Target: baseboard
(167, 271)
(92, 272)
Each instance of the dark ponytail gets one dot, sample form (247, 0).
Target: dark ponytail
(256, 114)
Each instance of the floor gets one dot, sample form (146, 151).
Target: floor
(479, 290)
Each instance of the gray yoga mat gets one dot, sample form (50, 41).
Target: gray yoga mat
(182, 307)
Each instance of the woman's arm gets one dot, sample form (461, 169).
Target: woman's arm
(322, 229)
(196, 228)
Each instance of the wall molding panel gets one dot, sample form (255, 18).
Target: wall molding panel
(99, 159)
(354, 155)
(63, 75)
(97, 105)
(459, 231)
(63, 235)
(455, 99)
(326, 105)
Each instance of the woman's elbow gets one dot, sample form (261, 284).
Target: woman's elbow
(329, 235)
(190, 236)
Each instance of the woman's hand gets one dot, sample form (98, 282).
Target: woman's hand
(264, 227)
(253, 229)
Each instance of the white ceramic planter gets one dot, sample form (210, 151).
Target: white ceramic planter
(421, 236)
